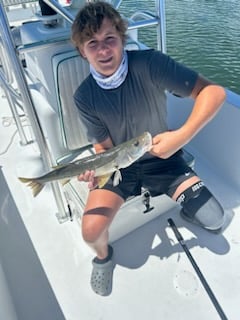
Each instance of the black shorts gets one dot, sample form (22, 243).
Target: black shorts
(158, 176)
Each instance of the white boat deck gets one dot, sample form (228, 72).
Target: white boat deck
(47, 266)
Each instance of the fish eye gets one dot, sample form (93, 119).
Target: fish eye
(136, 143)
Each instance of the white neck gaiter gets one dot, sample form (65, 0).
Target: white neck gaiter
(116, 79)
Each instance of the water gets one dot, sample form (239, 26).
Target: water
(202, 34)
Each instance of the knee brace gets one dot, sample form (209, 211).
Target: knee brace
(201, 207)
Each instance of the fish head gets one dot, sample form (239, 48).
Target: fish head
(141, 144)
(135, 148)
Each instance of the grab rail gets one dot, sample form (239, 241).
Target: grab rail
(151, 20)
(9, 47)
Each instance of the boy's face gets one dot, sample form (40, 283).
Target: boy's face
(104, 50)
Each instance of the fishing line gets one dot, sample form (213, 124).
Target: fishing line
(198, 271)
(7, 122)
(9, 144)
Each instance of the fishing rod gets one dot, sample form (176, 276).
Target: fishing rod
(198, 271)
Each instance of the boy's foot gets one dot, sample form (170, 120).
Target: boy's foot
(101, 278)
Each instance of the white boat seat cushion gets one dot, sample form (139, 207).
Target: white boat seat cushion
(69, 71)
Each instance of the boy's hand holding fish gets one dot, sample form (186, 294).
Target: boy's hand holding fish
(89, 176)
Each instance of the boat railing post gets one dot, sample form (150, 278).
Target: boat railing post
(5, 35)
(161, 31)
(29, 108)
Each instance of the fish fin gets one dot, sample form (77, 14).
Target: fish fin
(64, 181)
(55, 167)
(33, 184)
(59, 166)
(117, 178)
(102, 180)
(25, 180)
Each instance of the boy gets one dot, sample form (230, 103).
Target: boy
(123, 96)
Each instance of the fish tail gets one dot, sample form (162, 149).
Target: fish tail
(35, 185)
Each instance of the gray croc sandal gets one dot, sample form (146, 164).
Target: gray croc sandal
(102, 274)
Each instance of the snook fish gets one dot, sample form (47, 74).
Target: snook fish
(104, 164)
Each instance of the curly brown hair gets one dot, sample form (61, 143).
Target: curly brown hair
(89, 20)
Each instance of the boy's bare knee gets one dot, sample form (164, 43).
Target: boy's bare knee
(91, 232)
(100, 210)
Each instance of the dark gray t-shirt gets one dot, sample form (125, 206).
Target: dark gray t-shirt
(139, 103)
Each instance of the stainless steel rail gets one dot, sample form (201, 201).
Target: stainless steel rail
(8, 45)
(161, 30)
(8, 86)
